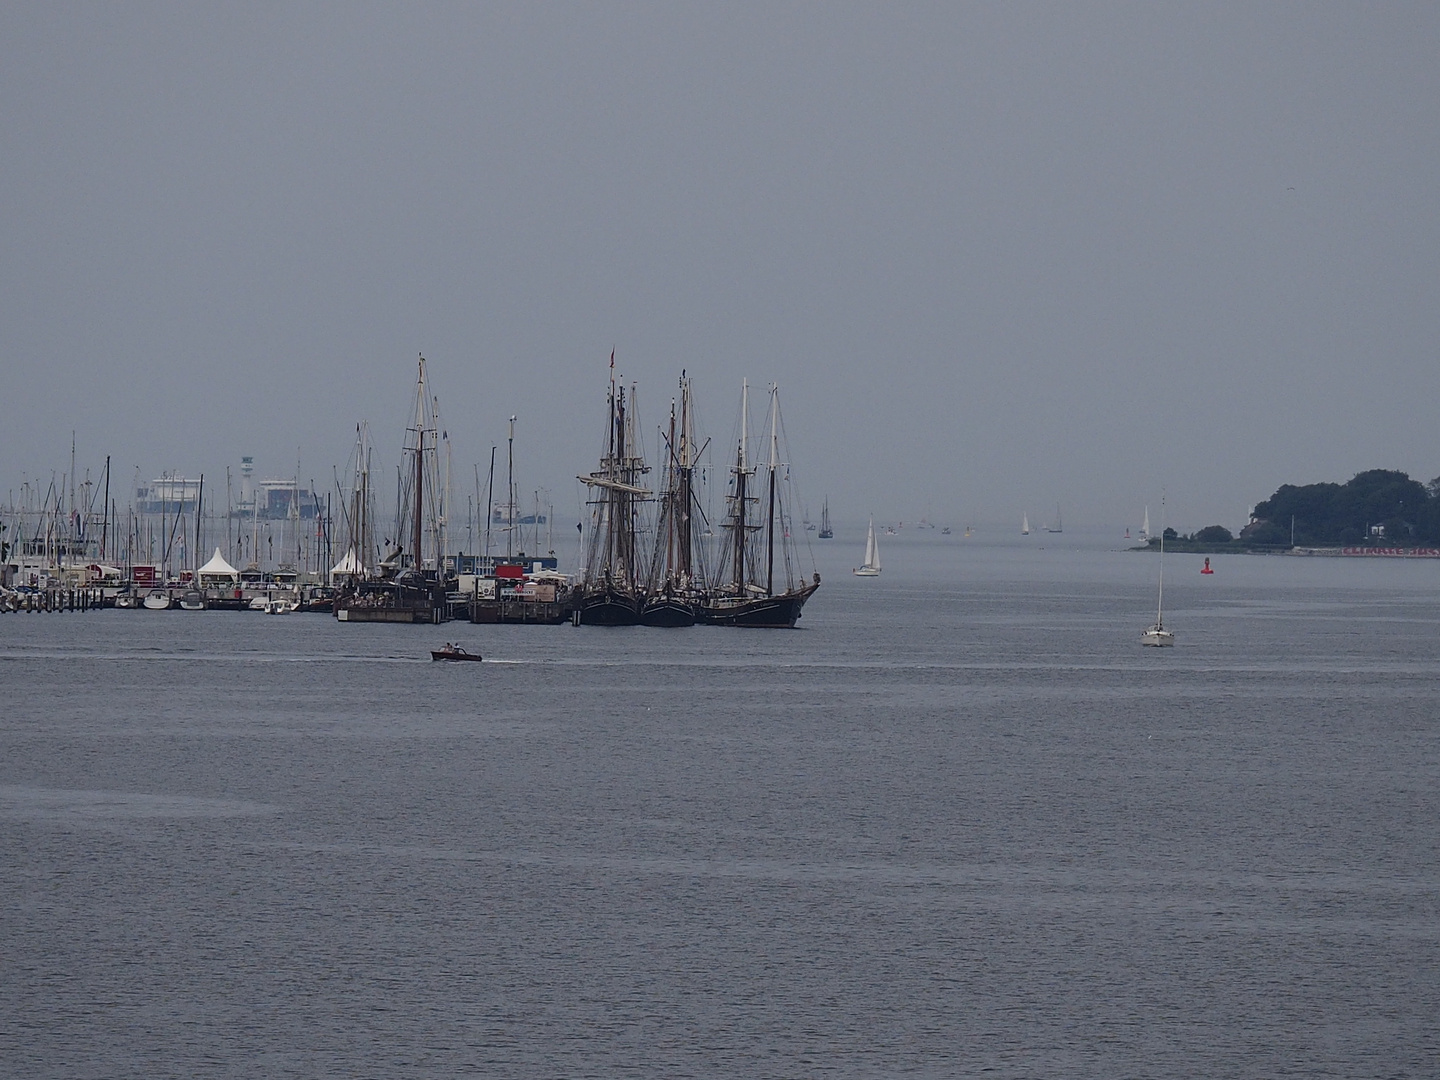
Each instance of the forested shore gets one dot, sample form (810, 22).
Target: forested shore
(1379, 508)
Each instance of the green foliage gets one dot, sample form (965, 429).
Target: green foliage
(1345, 513)
(1214, 534)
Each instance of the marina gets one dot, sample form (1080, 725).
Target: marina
(649, 557)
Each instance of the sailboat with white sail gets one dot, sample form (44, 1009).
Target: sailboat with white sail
(871, 566)
(1024, 524)
(1157, 635)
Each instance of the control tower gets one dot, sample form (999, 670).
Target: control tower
(247, 483)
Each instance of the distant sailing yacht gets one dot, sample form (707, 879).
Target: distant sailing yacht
(1145, 525)
(826, 533)
(1157, 634)
(871, 566)
(1056, 528)
(1024, 524)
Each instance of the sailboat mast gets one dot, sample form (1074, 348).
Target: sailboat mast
(672, 502)
(620, 500)
(770, 517)
(510, 493)
(105, 529)
(199, 515)
(367, 540)
(1160, 598)
(417, 527)
(686, 492)
(417, 530)
(489, 503)
(608, 496)
(741, 496)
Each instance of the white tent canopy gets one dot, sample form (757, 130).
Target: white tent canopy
(350, 564)
(217, 567)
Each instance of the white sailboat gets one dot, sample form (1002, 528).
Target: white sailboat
(1024, 524)
(871, 566)
(1157, 634)
(1145, 525)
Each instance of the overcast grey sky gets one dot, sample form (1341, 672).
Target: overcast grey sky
(998, 256)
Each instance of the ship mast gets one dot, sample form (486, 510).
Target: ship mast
(742, 472)
(611, 554)
(687, 471)
(427, 422)
(770, 516)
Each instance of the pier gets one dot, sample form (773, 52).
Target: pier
(50, 600)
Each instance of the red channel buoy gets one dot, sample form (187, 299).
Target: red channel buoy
(1206, 568)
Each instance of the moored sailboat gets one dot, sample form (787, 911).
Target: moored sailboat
(747, 591)
(406, 587)
(676, 588)
(826, 533)
(610, 593)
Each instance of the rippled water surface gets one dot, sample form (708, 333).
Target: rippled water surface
(958, 823)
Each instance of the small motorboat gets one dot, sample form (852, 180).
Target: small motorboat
(453, 652)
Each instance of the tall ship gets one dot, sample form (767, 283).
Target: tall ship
(758, 582)
(612, 589)
(676, 589)
(408, 584)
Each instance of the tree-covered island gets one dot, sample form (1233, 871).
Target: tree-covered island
(1378, 508)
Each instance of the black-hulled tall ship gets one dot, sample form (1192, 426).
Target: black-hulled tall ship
(612, 591)
(404, 586)
(676, 591)
(746, 589)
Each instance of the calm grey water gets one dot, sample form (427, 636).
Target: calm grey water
(959, 823)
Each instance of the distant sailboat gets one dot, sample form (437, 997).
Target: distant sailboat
(1157, 634)
(826, 533)
(1145, 525)
(1024, 524)
(871, 566)
(1056, 528)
